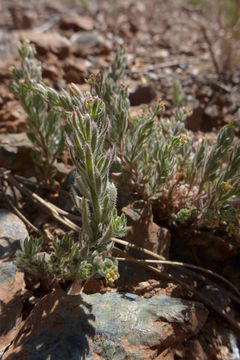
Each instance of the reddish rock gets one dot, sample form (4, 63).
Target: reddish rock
(51, 72)
(144, 232)
(5, 95)
(11, 285)
(47, 42)
(12, 117)
(22, 18)
(75, 71)
(77, 23)
(109, 326)
(4, 66)
(15, 151)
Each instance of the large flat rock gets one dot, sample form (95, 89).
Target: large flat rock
(110, 326)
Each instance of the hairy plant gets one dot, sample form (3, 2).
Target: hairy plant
(95, 198)
(193, 184)
(44, 128)
(158, 161)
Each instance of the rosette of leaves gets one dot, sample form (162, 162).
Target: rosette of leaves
(44, 127)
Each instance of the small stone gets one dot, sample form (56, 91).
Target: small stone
(50, 71)
(49, 42)
(23, 18)
(77, 23)
(89, 42)
(12, 232)
(105, 326)
(8, 52)
(11, 284)
(144, 232)
(142, 94)
(15, 151)
(75, 71)
(212, 111)
(12, 117)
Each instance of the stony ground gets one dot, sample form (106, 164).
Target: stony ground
(165, 41)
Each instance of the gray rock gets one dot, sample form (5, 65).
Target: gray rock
(11, 284)
(87, 38)
(15, 151)
(109, 326)
(89, 42)
(12, 232)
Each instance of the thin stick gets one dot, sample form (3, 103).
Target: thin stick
(24, 219)
(135, 247)
(10, 178)
(53, 209)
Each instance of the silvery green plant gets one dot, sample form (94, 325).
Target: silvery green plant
(213, 177)
(44, 127)
(95, 197)
(159, 161)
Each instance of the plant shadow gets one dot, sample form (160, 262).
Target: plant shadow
(59, 327)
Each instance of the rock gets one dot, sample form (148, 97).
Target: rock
(48, 42)
(5, 95)
(89, 42)
(215, 341)
(109, 326)
(144, 232)
(11, 284)
(192, 350)
(12, 117)
(75, 71)
(77, 23)
(23, 18)
(50, 71)
(12, 232)
(62, 170)
(8, 52)
(142, 94)
(15, 151)
(194, 121)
